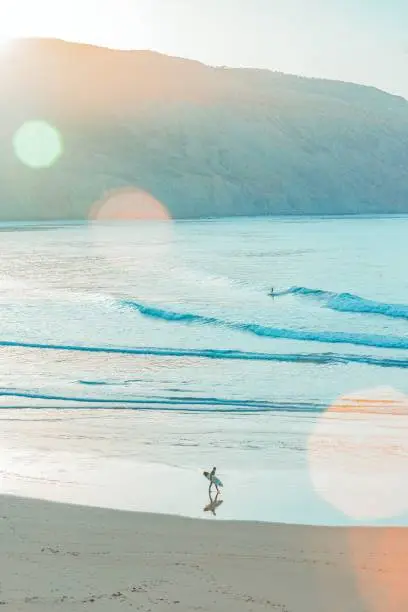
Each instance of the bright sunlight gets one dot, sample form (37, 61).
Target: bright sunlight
(113, 24)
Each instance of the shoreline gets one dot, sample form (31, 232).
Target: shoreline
(15, 499)
(72, 557)
(153, 463)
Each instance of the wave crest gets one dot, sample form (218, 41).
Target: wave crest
(348, 302)
(327, 337)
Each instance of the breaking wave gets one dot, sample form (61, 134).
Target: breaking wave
(348, 302)
(327, 337)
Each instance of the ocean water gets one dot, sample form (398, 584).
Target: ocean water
(146, 352)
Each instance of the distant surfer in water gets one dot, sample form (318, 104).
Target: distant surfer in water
(271, 293)
(213, 480)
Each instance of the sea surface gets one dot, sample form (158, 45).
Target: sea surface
(133, 356)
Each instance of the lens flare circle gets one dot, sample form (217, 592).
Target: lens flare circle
(380, 553)
(358, 454)
(131, 232)
(129, 204)
(37, 144)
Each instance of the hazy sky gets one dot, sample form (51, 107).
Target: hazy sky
(365, 41)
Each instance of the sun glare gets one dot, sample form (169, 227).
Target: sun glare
(101, 22)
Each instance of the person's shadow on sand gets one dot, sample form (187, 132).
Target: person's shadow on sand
(214, 504)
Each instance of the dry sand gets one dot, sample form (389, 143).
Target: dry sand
(60, 557)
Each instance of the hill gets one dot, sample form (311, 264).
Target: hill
(203, 141)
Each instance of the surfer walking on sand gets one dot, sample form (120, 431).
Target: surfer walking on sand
(213, 480)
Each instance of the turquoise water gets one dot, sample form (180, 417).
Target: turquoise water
(182, 314)
(175, 317)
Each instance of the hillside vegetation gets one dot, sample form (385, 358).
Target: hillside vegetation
(203, 141)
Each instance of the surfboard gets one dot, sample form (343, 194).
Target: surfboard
(215, 480)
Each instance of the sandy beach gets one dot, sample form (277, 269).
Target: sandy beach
(56, 556)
